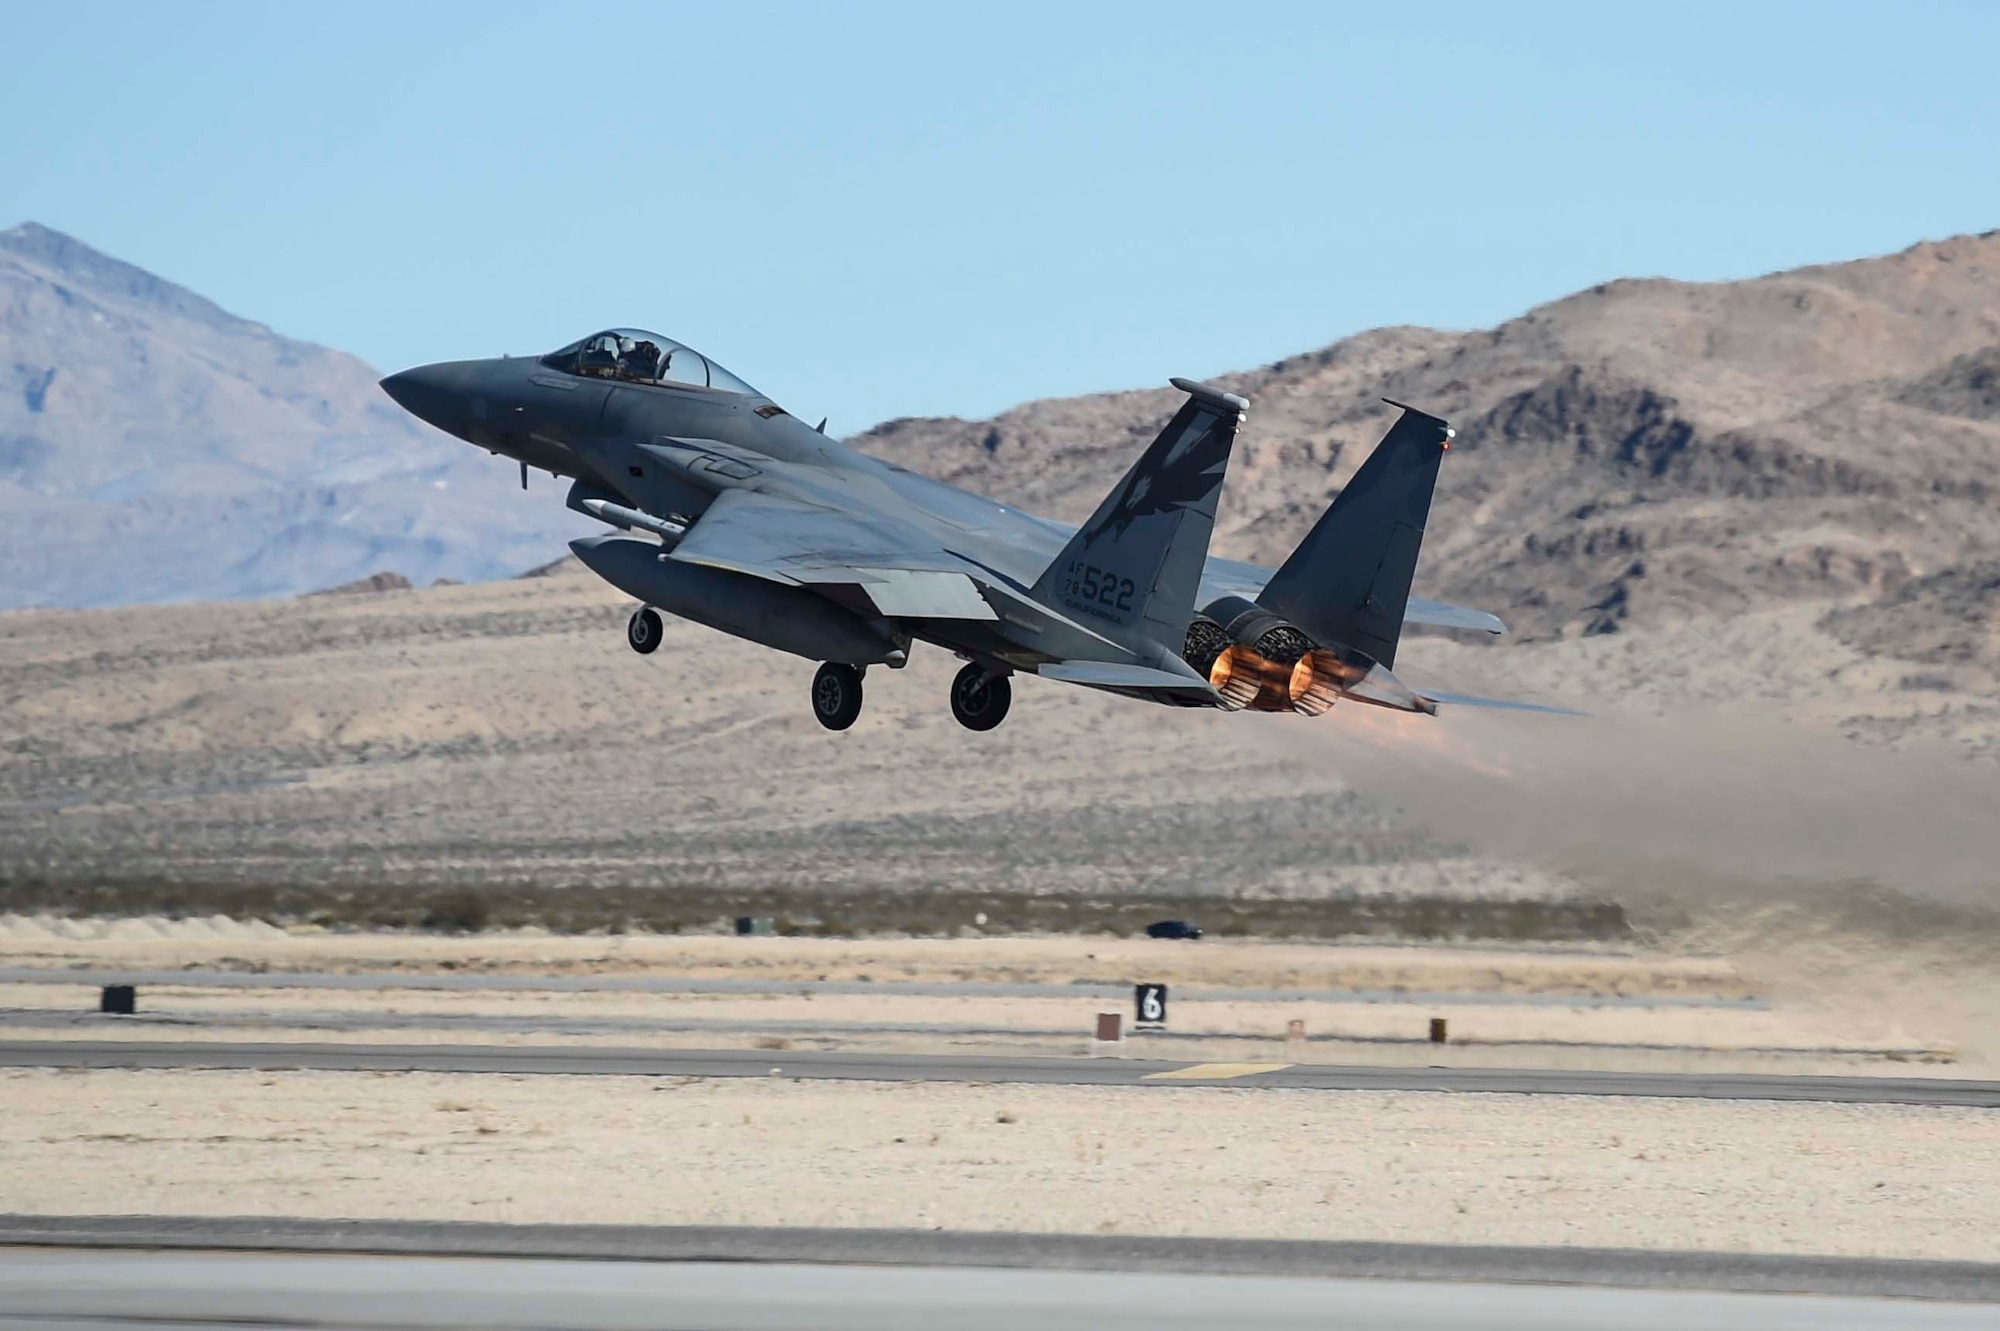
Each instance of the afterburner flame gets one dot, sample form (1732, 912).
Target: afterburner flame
(1248, 681)
(1317, 681)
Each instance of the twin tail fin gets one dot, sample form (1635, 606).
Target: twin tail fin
(1348, 583)
(1132, 573)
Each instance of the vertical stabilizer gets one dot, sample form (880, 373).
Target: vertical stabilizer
(1133, 570)
(1349, 581)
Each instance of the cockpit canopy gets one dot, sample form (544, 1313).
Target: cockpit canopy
(639, 357)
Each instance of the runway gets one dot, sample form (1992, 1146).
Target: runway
(282, 1023)
(1761, 1273)
(1078, 1071)
(465, 981)
(80, 1289)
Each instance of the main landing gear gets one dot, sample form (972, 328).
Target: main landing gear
(836, 695)
(979, 699)
(643, 631)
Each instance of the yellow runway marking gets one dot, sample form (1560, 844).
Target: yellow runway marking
(1214, 1071)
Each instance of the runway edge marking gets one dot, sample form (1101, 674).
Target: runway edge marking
(1214, 1071)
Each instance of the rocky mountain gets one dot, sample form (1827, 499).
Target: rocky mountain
(1644, 453)
(1641, 458)
(154, 447)
(1735, 523)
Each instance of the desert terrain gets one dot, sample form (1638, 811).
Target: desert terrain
(1831, 1179)
(1745, 529)
(1227, 1158)
(1754, 547)
(1582, 1006)
(504, 733)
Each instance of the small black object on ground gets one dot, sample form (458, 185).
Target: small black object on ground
(1173, 929)
(119, 999)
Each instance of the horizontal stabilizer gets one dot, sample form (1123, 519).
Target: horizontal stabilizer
(1464, 700)
(1439, 615)
(1380, 688)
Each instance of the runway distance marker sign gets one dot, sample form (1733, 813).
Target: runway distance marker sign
(1149, 1006)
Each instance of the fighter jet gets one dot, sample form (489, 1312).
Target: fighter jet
(728, 511)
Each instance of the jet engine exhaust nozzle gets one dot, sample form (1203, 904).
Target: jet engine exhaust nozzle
(1318, 680)
(1249, 681)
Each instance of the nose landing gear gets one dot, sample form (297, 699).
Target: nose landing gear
(980, 700)
(643, 631)
(836, 695)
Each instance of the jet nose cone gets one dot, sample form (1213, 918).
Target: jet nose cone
(430, 393)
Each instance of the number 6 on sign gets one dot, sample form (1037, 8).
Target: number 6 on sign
(1149, 1002)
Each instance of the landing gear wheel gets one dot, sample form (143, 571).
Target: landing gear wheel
(836, 695)
(643, 631)
(980, 700)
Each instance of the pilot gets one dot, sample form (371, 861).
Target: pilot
(642, 362)
(600, 356)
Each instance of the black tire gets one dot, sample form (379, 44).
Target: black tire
(643, 631)
(979, 700)
(836, 695)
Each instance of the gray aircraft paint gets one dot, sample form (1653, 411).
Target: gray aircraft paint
(1136, 566)
(791, 619)
(881, 555)
(1349, 580)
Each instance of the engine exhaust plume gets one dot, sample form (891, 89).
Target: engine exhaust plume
(1318, 680)
(1249, 681)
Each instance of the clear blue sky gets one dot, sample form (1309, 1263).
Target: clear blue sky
(883, 210)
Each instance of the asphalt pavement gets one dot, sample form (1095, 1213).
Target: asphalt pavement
(573, 1060)
(1160, 1255)
(113, 1288)
(674, 1019)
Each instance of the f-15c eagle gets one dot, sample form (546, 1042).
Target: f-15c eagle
(732, 513)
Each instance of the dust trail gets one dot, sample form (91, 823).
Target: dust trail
(1735, 795)
(1865, 880)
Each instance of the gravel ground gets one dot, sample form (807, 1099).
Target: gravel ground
(1746, 1176)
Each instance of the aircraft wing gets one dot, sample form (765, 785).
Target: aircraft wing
(1437, 614)
(899, 572)
(770, 536)
(877, 565)
(1506, 704)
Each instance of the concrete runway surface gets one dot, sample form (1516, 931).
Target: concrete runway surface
(123, 1288)
(867, 1066)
